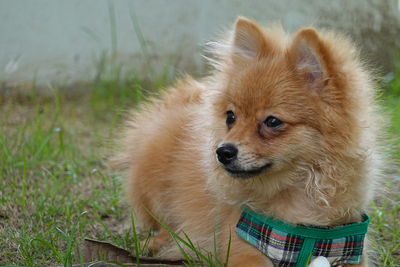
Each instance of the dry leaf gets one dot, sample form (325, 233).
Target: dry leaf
(102, 254)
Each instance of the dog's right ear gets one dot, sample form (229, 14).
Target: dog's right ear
(249, 41)
(311, 58)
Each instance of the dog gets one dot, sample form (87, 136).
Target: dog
(286, 125)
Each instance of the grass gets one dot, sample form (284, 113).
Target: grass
(55, 190)
(386, 209)
(53, 184)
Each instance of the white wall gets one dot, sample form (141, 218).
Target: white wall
(61, 40)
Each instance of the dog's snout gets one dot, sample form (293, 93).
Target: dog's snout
(227, 153)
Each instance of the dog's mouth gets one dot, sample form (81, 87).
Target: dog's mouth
(240, 173)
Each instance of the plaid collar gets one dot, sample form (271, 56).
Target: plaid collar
(290, 245)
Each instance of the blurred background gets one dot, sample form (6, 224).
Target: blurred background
(69, 71)
(64, 41)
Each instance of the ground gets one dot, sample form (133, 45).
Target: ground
(55, 189)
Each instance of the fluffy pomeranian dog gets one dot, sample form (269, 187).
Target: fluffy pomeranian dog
(286, 125)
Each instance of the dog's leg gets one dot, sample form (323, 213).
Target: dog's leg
(248, 256)
(241, 253)
(244, 254)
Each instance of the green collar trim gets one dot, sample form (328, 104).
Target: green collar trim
(294, 245)
(357, 228)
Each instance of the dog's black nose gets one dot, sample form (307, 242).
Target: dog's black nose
(227, 153)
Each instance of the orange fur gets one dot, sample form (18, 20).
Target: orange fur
(325, 156)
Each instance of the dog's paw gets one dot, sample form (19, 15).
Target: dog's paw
(155, 243)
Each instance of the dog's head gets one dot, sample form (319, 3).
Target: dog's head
(283, 102)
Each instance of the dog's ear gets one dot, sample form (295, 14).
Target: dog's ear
(310, 58)
(249, 41)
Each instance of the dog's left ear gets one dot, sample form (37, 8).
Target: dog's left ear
(249, 41)
(310, 58)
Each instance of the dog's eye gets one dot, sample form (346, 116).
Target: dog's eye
(230, 117)
(272, 122)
